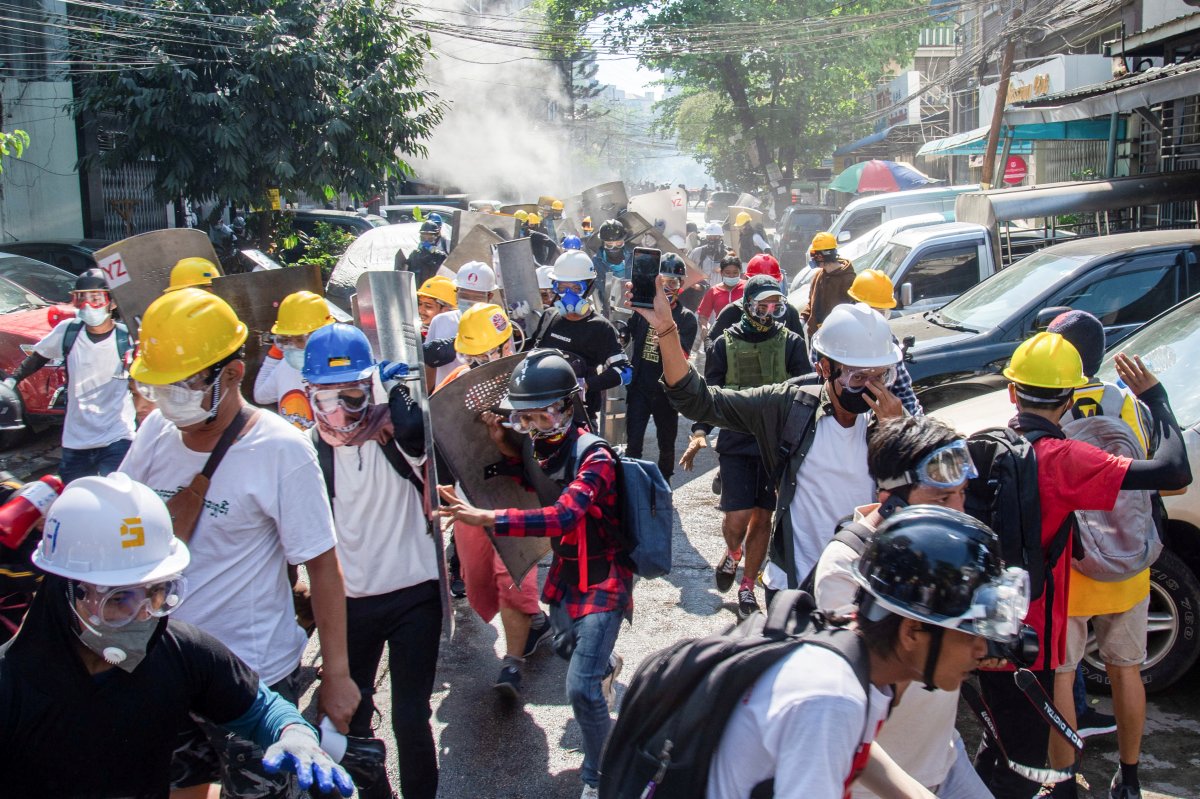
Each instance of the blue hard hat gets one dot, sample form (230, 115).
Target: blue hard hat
(435, 217)
(337, 353)
(572, 243)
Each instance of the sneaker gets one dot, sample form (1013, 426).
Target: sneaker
(366, 762)
(537, 636)
(1093, 722)
(1119, 790)
(590, 792)
(609, 684)
(726, 572)
(747, 604)
(508, 684)
(458, 589)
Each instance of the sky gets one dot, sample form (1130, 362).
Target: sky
(624, 73)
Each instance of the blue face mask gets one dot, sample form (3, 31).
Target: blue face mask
(570, 302)
(426, 245)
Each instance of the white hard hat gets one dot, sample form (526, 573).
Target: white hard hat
(110, 531)
(713, 229)
(856, 335)
(573, 265)
(543, 277)
(475, 276)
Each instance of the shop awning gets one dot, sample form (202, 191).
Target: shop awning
(907, 134)
(1141, 90)
(974, 142)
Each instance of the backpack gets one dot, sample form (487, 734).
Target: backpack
(1120, 543)
(645, 507)
(71, 335)
(680, 698)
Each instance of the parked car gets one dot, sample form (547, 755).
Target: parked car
(71, 255)
(795, 231)
(1125, 280)
(1171, 345)
(43, 282)
(717, 207)
(396, 214)
(25, 319)
(868, 213)
(305, 224)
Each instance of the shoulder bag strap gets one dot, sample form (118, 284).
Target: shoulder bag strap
(324, 460)
(226, 440)
(391, 451)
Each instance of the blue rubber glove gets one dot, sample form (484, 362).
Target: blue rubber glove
(392, 371)
(626, 374)
(299, 752)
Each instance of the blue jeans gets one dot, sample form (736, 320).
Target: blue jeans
(77, 463)
(595, 636)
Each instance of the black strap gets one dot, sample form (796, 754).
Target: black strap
(797, 427)
(228, 436)
(391, 451)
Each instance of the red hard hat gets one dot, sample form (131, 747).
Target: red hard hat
(763, 264)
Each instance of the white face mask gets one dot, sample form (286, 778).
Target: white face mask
(92, 317)
(730, 281)
(294, 357)
(184, 407)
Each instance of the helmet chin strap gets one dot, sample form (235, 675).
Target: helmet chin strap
(936, 634)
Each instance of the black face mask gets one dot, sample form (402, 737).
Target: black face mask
(854, 402)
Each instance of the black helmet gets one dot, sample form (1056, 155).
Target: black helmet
(612, 230)
(429, 226)
(672, 265)
(91, 280)
(542, 379)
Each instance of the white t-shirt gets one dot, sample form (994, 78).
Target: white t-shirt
(99, 405)
(266, 507)
(833, 480)
(280, 384)
(445, 325)
(834, 586)
(382, 541)
(801, 723)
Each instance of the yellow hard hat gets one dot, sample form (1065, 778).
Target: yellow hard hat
(183, 333)
(521, 214)
(586, 224)
(190, 272)
(1046, 361)
(823, 241)
(483, 327)
(534, 219)
(440, 288)
(874, 288)
(300, 314)
(557, 205)
(742, 219)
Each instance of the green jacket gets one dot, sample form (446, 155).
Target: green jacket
(762, 412)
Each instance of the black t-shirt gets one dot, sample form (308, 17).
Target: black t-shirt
(67, 734)
(647, 361)
(424, 263)
(593, 343)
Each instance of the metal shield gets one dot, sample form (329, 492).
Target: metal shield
(668, 206)
(506, 227)
(138, 268)
(604, 202)
(374, 250)
(529, 208)
(476, 245)
(467, 448)
(255, 298)
(385, 309)
(644, 234)
(516, 271)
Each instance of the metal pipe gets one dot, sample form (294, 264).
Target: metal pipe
(1110, 169)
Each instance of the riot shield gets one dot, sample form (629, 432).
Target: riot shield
(385, 309)
(138, 268)
(255, 298)
(506, 227)
(516, 271)
(604, 202)
(612, 419)
(374, 250)
(529, 208)
(668, 206)
(642, 231)
(464, 443)
(476, 245)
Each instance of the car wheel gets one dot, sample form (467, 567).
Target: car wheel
(1173, 636)
(10, 439)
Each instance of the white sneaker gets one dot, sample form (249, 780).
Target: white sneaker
(609, 683)
(590, 792)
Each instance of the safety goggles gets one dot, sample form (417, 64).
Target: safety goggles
(352, 398)
(494, 354)
(614, 245)
(946, 467)
(775, 309)
(289, 342)
(544, 421)
(117, 607)
(855, 380)
(997, 608)
(562, 287)
(825, 255)
(179, 391)
(97, 298)
(672, 284)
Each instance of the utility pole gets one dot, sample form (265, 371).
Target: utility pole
(993, 139)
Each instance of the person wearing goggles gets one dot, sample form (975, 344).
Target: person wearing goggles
(103, 649)
(615, 252)
(278, 381)
(429, 254)
(99, 423)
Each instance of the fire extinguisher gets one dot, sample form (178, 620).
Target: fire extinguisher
(26, 507)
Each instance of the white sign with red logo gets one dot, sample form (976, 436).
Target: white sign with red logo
(114, 270)
(1015, 170)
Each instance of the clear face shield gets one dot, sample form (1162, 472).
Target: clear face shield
(997, 608)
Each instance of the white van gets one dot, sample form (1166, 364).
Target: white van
(868, 213)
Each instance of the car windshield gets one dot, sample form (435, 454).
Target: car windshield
(992, 301)
(1170, 347)
(48, 282)
(892, 258)
(13, 298)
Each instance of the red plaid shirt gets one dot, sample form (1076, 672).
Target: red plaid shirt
(591, 494)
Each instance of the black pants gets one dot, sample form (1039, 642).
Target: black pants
(1025, 734)
(409, 621)
(640, 405)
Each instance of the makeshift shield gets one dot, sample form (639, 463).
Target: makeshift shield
(735, 232)
(669, 207)
(476, 245)
(516, 271)
(529, 208)
(644, 234)
(385, 306)
(603, 202)
(506, 227)
(255, 298)
(467, 448)
(138, 269)
(373, 251)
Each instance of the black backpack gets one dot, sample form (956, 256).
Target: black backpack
(849, 532)
(680, 698)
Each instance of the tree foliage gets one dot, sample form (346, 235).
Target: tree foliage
(13, 143)
(231, 98)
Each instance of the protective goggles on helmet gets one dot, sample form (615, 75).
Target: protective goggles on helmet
(763, 309)
(946, 467)
(855, 380)
(541, 422)
(351, 398)
(96, 298)
(117, 607)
